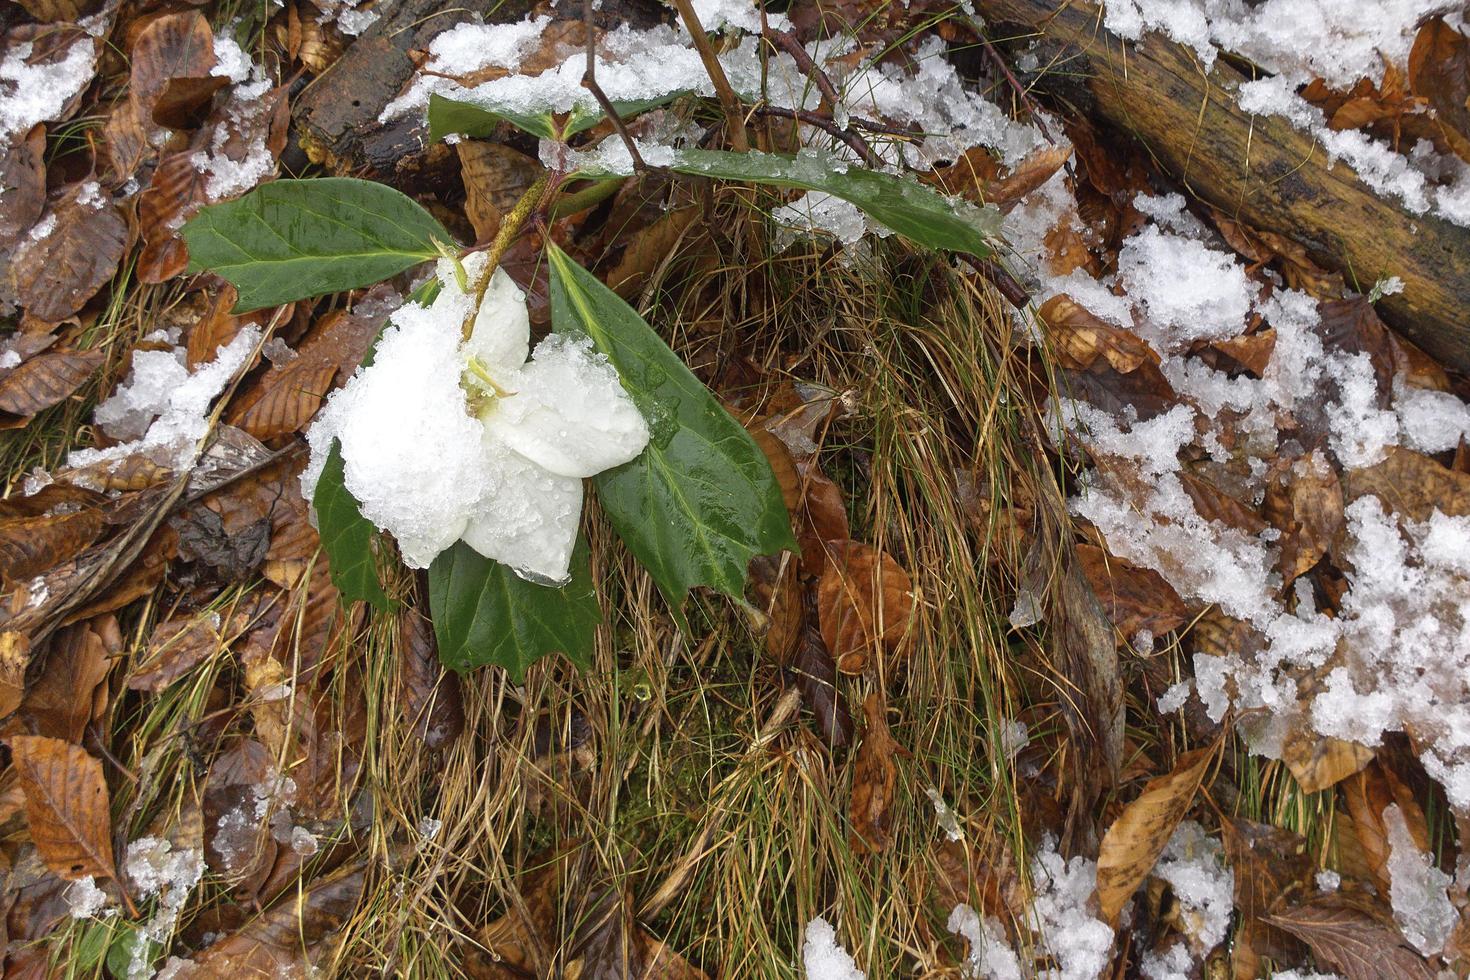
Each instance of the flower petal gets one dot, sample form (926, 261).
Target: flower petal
(501, 338)
(569, 413)
(412, 453)
(529, 518)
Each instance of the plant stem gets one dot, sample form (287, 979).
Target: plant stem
(586, 197)
(510, 226)
(734, 119)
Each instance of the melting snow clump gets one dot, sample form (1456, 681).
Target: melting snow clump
(1421, 906)
(33, 93)
(1193, 866)
(823, 958)
(84, 899)
(990, 956)
(161, 411)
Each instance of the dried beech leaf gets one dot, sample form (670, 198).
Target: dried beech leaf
(1079, 338)
(1352, 937)
(1439, 71)
(874, 781)
(174, 46)
(32, 545)
(1270, 864)
(67, 805)
(56, 275)
(648, 248)
(15, 657)
(175, 193)
(816, 678)
(776, 592)
(176, 647)
(1134, 842)
(1307, 507)
(1412, 485)
(46, 380)
(865, 601)
(22, 183)
(1134, 598)
(68, 692)
(495, 176)
(1320, 761)
(431, 696)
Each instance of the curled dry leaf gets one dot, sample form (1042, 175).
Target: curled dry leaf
(1080, 339)
(67, 805)
(1132, 845)
(46, 380)
(1306, 505)
(1134, 598)
(1320, 761)
(1351, 934)
(865, 601)
(15, 657)
(816, 678)
(172, 59)
(495, 176)
(70, 692)
(874, 781)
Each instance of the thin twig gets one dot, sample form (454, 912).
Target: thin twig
(791, 44)
(734, 118)
(1021, 91)
(824, 123)
(510, 226)
(589, 82)
(993, 273)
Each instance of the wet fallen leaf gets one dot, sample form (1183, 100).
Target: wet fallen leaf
(1270, 865)
(66, 805)
(865, 601)
(1439, 71)
(1412, 485)
(172, 58)
(1134, 598)
(874, 781)
(176, 647)
(650, 248)
(816, 678)
(46, 379)
(1306, 506)
(22, 183)
(1084, 649)
(69, 691)
(1079, 339)
(495, 176)
(431, 696)
(776, 592)
(31, 545)
(1319, 761)
(1132, 845)
(15, 657)
(1350, 934)
(58, 273)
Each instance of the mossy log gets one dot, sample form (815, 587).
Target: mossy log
(1260, 171)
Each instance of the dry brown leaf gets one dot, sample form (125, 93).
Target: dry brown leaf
(176, 647)
(1367, 794)
(1134, 598)
(865, 602)
(1251, 351)
(48, 11)
(874, 781)
(66, 805)
(1084, 648)
(56, 275)
(432, 699)
(1350, 934)
(823, 517)
(1027, 176)
(69, 691)
(1270, 865)
(1306, 505)
(15, 657)
(816, 679)
(776, 592)
(1079, 338)
(649, 248)
(32, 545)
(1319, 761)
(1134, 842)
(174, 194)
(177, 47)
(1412, 485)
(495, 176)
(1439, 72)
(22, 183)
(46, 380)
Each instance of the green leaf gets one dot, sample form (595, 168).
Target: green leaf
(346, 535)
(486, 614)
(906, 206)
(294, 239)
(479, 119)
(701, 500)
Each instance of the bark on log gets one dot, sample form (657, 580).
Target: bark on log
(1261, 171)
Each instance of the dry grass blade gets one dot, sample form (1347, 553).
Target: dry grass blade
(67, 805)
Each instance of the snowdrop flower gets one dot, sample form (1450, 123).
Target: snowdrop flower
(443, 440)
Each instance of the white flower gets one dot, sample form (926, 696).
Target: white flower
(443, 440)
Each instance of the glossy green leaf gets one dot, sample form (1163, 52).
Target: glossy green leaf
(900, 203)
(479, 119)
(701, 500)
(484, 613)
(294, 239)
(347, 536)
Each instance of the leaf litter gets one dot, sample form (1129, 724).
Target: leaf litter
(1267, 498)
